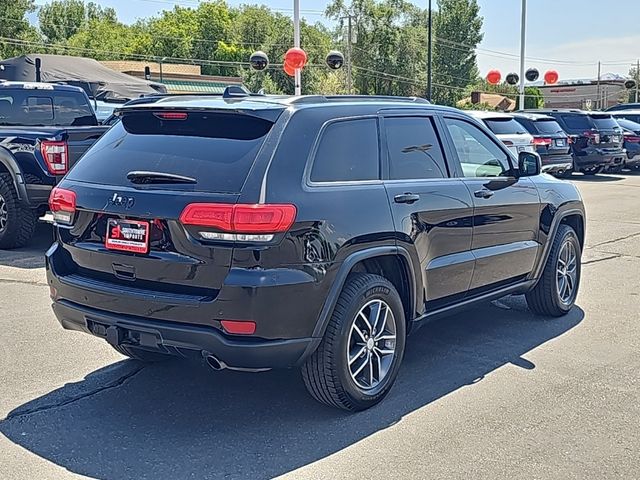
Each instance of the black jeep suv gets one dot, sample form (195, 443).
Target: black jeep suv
(267, 232)
(596, 139)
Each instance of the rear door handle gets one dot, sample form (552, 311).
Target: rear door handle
(483, 193)
(406, 198)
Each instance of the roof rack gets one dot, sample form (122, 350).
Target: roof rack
(349, 98)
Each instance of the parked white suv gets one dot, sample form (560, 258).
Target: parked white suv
(508, 130)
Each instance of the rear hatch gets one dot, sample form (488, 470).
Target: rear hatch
(511, 133)
(582, 131)
(608, 130)
(127, 243)
(549, 138)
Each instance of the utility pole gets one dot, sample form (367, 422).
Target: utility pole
(523, 28)
(637, 75)
(599, 103)
(349, 55)
(296, 43)
(429, 47)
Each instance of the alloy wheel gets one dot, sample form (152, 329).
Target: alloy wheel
(371, 348)
(567, 272)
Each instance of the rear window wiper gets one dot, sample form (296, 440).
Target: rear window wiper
(142, 178)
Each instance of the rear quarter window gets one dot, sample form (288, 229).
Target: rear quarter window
(347, 151)
(216, 149)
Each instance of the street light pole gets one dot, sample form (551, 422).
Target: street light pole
(429, 47)
(296, 43)
(523, 27)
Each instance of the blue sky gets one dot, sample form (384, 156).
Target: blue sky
(553, 32)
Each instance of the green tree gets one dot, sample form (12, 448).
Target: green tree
(533, 98)
(388, 56)
(458, 30)
(61, 19)
(104, 39)
(14, 25)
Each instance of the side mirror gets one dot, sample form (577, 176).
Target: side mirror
(529, 164)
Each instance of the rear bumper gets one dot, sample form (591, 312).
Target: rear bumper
(633, 161)
(184, 340)
(285, 306)
(556, 163)
(598, 158)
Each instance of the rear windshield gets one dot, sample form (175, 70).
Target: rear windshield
(605, 122)
(628, 116)
(548, 126)
(37, 107)
(577, 122)
(506, 126)
(628, 124)
(215, 149)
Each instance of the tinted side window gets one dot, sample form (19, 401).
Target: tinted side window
(414, 149)
(479, 155)
(348, 151)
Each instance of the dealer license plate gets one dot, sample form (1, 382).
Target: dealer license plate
(127, 235)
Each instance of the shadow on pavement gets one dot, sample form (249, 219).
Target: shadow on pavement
(601, 177)
(181, 420)
(31, 256)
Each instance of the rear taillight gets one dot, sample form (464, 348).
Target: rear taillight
(62, 204)
(542, 142)
(631, 138)
(239, 222)
(592, 136)
(56, 156)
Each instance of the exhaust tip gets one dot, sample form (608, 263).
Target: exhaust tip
(214, 363)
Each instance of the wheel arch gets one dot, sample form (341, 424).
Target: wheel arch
(573, 217)
(391, 262)
(8, 165)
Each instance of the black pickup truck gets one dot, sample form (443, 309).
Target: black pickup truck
(44, 129)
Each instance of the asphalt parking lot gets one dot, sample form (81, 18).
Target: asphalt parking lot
(492, 393)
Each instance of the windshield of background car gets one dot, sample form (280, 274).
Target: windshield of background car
(504, 126)
(548, 126)
(48, 108)
(577, 123)
(604, 122)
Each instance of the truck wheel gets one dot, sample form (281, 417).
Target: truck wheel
(17, 221)
(359, 357)
(592, 171)
(140, 354)
(556, 291)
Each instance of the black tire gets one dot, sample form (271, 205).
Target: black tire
(326, 372)
(592, 171)
(545, 299)
(140, 354)
(19, 221)
(566, 174)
